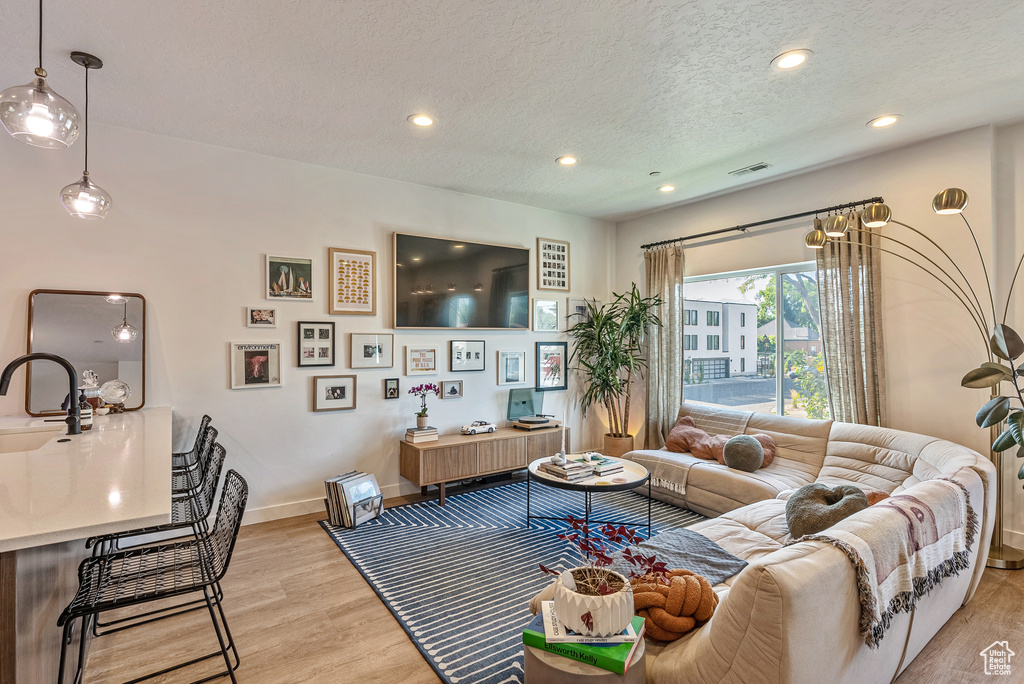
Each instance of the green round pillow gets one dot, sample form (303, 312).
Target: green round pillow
(816, 507)
(743, 452)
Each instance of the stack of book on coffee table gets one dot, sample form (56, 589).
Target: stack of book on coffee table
(603, 466)
(571, 471)
(612, 653)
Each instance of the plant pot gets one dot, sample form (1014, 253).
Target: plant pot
(421, 421)
(609, 614)
(616, 446)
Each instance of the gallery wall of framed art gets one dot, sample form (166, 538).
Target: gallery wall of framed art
(353, 281)
(334, 392)
(289, 278)
(255, 365)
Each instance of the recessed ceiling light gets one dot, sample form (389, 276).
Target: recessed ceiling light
(566, 161)
(667, 188)
(791, 58)
(421, 120)
(415, 258)
(883, 121)
(458, 246)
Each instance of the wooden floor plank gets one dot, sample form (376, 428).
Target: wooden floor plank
(301, 612)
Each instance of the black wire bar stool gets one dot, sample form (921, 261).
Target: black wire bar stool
(188, 459)
(185, 479)
(187, 511)
(151, 573)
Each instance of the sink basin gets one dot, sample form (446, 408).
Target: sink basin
(27, 438)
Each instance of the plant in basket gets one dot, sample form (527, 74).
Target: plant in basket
(593, 599)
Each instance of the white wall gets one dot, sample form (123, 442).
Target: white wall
(930, 341)
(189, 229)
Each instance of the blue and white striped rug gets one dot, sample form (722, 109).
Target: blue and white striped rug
(459, 577)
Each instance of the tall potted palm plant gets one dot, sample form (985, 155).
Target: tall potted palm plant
(608, 354)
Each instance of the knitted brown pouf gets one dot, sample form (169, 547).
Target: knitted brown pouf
(670, 611)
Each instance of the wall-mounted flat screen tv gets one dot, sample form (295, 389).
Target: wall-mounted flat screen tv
(443, 283)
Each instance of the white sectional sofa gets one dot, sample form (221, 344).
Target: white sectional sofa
(791, 616)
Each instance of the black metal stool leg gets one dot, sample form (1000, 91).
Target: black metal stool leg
(220, 637)
(65, 638)
(81, 649)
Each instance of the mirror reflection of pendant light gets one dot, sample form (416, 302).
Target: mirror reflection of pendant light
(479, 287)
(34, 114)
(124, 332)
(85, 199)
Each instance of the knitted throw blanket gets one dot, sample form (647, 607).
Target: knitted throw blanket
(716, 421)
(904, 546)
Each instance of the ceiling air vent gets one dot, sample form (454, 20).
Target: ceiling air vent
(759, 166)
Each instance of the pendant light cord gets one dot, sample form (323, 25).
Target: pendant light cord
(40, 34)
(86, 127)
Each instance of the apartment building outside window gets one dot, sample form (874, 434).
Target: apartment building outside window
(782, 370)
(689, 317)
(690, 342)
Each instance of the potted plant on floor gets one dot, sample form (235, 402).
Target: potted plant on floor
(422, 391)
(608, 354)
(592, 599)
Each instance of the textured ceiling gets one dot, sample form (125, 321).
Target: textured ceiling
(684, 88)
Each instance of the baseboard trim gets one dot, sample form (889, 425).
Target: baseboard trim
(1013, 538)
(290, 510)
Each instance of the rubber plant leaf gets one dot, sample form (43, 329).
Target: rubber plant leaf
(1004, 441)
(993, 412)
(983, 377)
(1005, 370)
(1013, 424)
(1006, 343)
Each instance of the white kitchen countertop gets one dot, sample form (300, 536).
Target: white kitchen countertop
(112, 478)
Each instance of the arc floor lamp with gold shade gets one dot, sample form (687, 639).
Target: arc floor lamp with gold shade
(1003, 346)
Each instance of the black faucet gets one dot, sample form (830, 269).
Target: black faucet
(74, 419)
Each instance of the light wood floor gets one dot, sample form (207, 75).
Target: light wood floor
(300, 612)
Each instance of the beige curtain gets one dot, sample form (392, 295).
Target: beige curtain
(664, 275)
(849, 295)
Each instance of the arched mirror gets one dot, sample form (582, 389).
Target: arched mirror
(104, 332)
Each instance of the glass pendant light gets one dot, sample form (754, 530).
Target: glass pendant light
(85, 199)
(34, 114)
(124, 332)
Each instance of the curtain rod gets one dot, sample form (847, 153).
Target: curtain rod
(778, 219)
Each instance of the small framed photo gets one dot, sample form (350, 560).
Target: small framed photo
(353, 278)
(260, 318)
(316, 344)
(511, 367)
(373, 350)
(391, 388)
(576, 311)
(255, 364)
(420, 360)
(289, 278)
(551, 361)
(466, 355)
(334, 392)
(552, 265)
(545, 315)
(451, 389)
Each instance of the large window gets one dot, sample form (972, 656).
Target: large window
(782, 370)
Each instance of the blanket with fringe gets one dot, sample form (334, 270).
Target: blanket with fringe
(903, 547)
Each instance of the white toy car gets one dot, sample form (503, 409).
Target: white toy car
(478, 426)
